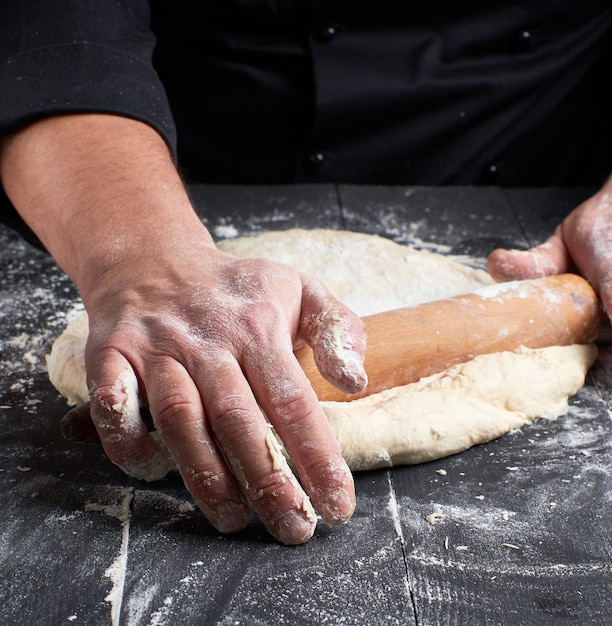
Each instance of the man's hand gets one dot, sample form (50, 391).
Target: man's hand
(204, 349)
(582, 242)
(201, 338)
(204, 339)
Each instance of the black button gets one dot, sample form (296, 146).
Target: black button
(524, 39)
(491, 173)
(327, 33)
(317, 158)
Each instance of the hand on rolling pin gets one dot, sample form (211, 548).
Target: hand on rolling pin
(582, 242)
(205, 351)
(199, 337)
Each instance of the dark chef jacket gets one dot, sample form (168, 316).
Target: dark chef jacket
(434, 92)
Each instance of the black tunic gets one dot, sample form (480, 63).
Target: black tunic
(370, 91)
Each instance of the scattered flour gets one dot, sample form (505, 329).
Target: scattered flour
(117, 570)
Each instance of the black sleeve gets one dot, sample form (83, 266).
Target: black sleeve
(76, 56)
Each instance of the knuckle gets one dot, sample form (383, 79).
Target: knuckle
(233, 422)
(293, 410)
(327, 470)
(259, 320)
(206, 483)
(104, 394)
(115, 402)
(104, 402)
(171, 411)
(273, 486)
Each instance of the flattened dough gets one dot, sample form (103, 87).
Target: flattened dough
(443, 414)
(465, 405)
(369, 274)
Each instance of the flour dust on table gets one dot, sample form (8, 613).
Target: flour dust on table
(440, 415)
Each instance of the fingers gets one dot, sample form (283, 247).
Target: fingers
(196, 420)
(582, 243)
(252, 452)
(336, 335)
(263, 472)
(115, 412)
(587, 232)
(205, 376)
(547, 259)
(179, 417)
(250, 448)
(288, 400)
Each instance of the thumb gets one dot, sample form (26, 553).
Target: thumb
(77, 425)
(547, 259)
(336, 335)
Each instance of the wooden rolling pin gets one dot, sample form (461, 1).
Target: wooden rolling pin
(413, 342)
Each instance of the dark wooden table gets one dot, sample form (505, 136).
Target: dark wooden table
(526, 537)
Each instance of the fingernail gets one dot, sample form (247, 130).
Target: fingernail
(232, 517)
(346, 369)
(352, 372)
(293, 529)
(68, 429)
(154, 468)
(76, 425)
(337, 507)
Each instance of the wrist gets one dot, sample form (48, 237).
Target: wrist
(98, 190)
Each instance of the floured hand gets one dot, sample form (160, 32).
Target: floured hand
(582, 242)
(203, 339)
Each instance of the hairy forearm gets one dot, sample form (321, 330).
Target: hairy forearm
(96, 189)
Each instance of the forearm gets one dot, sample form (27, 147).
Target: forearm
(97, 190)
(203, 339)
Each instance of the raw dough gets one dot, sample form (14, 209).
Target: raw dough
(66, 363)
(370, 274)
(443, 414)
(465, 405)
